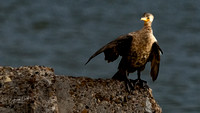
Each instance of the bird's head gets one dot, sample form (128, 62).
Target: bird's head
(147, 17)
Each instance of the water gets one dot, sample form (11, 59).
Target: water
(63, 34)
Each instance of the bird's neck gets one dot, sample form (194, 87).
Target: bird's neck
(147, 27)
(147, 24)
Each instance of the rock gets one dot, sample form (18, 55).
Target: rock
(27, 90)
(81, 94)
(36, 89)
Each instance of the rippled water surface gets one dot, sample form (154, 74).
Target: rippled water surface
(63, 34)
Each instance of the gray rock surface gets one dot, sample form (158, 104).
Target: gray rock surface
(27, 90)
(36, 89)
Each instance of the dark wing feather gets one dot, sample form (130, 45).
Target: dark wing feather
(155, 60)
(112, 50)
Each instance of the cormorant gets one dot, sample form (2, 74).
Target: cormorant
(136, 48)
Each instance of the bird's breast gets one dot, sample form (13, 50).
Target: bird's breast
(140, 48)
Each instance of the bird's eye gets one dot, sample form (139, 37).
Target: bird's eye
(147, 17)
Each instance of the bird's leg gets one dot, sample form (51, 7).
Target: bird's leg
(128, 84)
(138, 73)
(122, 75)
(139, 81)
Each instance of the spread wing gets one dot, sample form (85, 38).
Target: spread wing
(155, 60)
(112, 50)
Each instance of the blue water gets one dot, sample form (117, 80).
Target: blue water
(64, 34)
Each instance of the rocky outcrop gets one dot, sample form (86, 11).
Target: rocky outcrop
(35, 89)
(27, 90)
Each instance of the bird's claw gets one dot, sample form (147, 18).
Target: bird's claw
(140, 83)
(129, 85)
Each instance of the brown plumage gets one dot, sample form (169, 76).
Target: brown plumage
(136, 48)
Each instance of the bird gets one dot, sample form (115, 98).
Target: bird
(136, 49)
